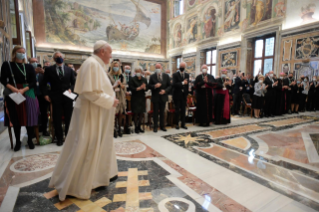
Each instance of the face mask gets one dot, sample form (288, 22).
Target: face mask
(158, 70)
(181, 69)
(298, 82)
(223, 76)
(138, 74)
(34, 65)
(290, 77)
(271, 75)
(281, 77)
(127, 71)
(20, 56)
(315, 80)
(260, 81)
(305, 80)
(116, 69)
(59, 60)
(302, 78)
(148, 77)
(204, 71)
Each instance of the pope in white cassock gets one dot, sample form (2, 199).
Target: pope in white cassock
(88, 160)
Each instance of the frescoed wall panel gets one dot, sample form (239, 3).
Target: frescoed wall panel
(229, 59)
(128, 25)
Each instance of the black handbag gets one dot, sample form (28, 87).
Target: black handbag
(8, 91)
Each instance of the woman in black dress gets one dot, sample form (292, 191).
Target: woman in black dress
(296, 96)
(23, 81)
(138, 86)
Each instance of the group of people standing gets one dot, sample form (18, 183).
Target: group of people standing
(161, 86)
(40, 87)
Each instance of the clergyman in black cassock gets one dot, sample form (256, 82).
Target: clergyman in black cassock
(269, 107)
(204, 97)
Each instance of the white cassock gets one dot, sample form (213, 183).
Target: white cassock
(88, 160)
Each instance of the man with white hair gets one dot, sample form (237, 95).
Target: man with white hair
(160, 85)
(61, 79)
(180, 92)
(88, 160)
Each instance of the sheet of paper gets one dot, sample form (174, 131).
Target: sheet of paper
(70, 95)
(18, 98)
(116, 83)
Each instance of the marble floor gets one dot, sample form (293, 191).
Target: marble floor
(249, 165)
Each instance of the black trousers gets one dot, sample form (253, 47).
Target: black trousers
(158, 106)
(43, 104)
(180, 110)
(288, 101)
(311, 102)
(61, 105)
(236, 101)
(269, 108)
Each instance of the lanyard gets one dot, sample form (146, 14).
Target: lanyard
(116, 78)
(23, 72)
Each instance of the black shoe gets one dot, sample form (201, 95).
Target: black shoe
(137, 131)
(155, 130)
(114, 178)
(45, 134)
(18, 146)
(140, 129)
(59, 143)
(272, 116)
(127, 131)
(115, 134)
(31, 144)
(177, 127)
(163, 129)
(184, 127)
(289, 112)
(120, 133)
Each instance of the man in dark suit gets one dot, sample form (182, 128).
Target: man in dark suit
(269, 108)
(180, 86)
(236, 85)
(160, 85)
(61, 79)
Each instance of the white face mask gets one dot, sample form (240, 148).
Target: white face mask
(315, 80)
(281, 77)
(260, 81)
(271, 75)
(204, 71)
(138, 74)
(158, 70)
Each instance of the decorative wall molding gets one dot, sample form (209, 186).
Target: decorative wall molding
(287, 50)
(229, 45)
(261, 32)
(300, 29)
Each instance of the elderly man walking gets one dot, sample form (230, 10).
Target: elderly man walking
(88, 159)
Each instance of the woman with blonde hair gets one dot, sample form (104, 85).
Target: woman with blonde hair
(119, 85)
(19, 77)
(258, 101)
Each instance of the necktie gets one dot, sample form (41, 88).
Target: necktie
(160, 77)
(60, 73)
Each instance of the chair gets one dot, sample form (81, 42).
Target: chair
(247, 103)
(149, 113)
(191, 107)
(171, 112)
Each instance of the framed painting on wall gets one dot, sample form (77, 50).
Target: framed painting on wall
(229, 59)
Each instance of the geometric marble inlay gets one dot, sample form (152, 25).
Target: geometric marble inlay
(286, 122)
(240, 142)
(35, 163)
(128, 147)
(233, 131)
(315, 140)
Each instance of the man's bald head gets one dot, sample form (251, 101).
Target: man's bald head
(182, 65)
(204, 66)
(158, 66)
